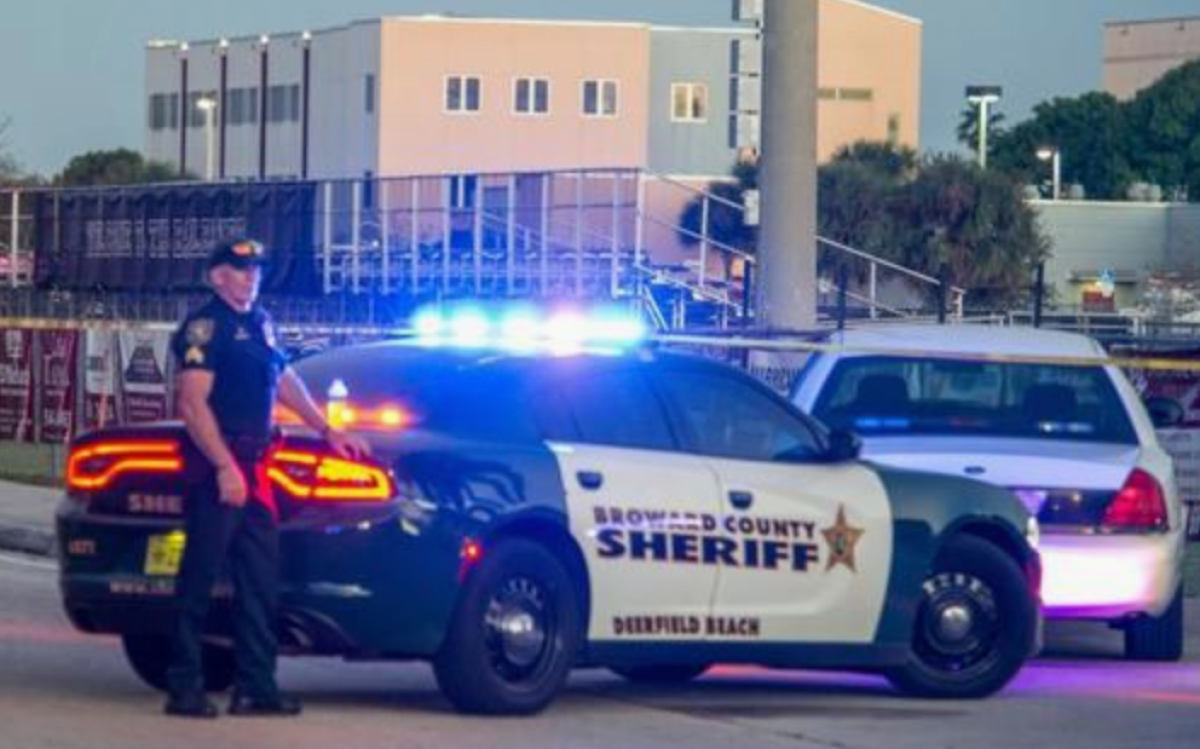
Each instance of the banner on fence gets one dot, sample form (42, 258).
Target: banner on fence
(158, 238)
(16, 384)
(99, 378)
(143, 374)
(56, 376)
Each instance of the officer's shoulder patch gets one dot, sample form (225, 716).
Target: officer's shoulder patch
(199, 331)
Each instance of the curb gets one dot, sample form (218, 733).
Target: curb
(25, 540)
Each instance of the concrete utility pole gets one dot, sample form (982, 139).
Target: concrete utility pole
(787, 255)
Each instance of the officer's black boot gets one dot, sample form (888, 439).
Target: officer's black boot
(190, 705)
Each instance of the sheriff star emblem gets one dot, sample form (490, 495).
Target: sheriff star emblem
(842, 539)
(194, 355)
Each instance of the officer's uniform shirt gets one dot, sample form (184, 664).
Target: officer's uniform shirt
(239, 349)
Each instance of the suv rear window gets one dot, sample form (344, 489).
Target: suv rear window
(879, 396)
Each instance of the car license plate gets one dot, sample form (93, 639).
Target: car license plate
(163, 553)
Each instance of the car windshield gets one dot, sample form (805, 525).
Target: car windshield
(879, 396)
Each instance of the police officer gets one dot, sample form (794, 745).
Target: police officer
(230, 373)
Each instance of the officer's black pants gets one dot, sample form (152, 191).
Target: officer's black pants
(247, 540)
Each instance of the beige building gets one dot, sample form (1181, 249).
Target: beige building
(1138, 53)
(428, 95)
(869, 72)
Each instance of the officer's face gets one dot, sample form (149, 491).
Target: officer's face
(237, 286)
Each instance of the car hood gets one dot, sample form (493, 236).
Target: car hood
(1010, 462)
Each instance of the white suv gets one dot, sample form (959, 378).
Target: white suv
(1041, 413)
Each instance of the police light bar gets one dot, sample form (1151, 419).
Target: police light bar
(526, 329)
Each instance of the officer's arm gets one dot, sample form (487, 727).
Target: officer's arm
(192, 388)
(294, 394)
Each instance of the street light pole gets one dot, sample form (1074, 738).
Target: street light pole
(208, 105)
(983, 97)
(1054, 156)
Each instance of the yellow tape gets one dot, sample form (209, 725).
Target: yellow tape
(1158, 364)
(798, 346)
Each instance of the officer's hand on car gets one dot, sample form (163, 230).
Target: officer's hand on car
(347, 445)
(231, 485)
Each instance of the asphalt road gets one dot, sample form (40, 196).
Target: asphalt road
(65, 690)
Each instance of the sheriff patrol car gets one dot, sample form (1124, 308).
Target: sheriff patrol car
(529, 510)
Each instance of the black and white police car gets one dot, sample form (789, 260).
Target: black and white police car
(528, 511)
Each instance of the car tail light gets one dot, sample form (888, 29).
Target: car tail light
(310, 475)
(95, 466)
(1139, 506)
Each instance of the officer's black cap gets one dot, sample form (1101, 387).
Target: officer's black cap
(240, 253)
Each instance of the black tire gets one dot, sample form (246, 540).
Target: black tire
(660, 674)
(514, 635)
(1157, 638)
(976, 625)
(150, 656)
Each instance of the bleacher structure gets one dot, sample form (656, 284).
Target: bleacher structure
(380, 247)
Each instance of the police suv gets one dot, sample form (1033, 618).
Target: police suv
(528, 511)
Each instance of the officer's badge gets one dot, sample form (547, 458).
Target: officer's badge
(199, 331)
(241, 334)
(194, 355)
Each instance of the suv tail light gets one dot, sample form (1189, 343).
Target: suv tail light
(316, 476)
(94, 466)
(1139, 506)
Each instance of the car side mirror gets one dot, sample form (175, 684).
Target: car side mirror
(843, 445)
(1165, 413)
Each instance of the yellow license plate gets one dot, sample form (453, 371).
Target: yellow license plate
(163, 553)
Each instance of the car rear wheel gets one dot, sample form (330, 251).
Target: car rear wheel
(150, 657)
(515, 633)
(1157, 638)
(975, 627)
(660, 674)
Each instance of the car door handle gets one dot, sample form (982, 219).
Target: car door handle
(590, 480)
(741, 500)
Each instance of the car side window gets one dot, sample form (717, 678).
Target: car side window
(615, 408)
(724, 417)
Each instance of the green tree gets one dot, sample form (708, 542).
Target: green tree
(975, 225)
(1091, 135)
(1164, 131)
(119, 166)
(726, 220)
(10, 170)
(940, 212)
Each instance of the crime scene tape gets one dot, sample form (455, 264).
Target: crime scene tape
(774, 345)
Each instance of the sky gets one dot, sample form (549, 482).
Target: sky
(71, 71)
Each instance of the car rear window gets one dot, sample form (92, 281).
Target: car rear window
(458, 397)
(895, 396)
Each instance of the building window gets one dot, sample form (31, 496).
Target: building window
(243, 106)
(283, 103)
(369, 93)
(462, 93)
(845, 94)
(531, 96)
(164, 111)
(893, 128)
(689, 102)
(600, 98)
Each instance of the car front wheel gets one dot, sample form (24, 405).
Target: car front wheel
(975, 626)
(515, 633)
